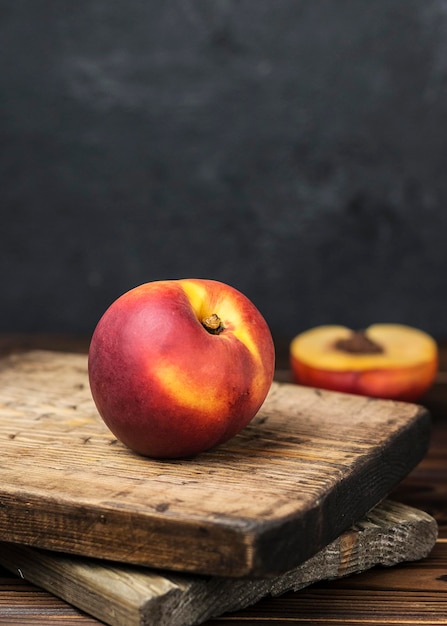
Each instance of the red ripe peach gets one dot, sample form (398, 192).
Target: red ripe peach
(179, 366)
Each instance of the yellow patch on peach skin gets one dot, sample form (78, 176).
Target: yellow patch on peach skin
(197, 296)
(178, 385)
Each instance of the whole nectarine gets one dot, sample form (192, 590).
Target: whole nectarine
(386, 360)
(179, 366)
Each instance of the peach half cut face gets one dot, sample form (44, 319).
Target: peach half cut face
(390, 361)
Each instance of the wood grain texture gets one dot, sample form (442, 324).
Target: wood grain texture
(408, 594)
(123, 595)
(308, 467)
(23, 604)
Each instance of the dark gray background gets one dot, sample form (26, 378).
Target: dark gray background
(293, 148)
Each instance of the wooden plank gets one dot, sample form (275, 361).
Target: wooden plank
(123, 595)
(411, 593)
(22, 604)
(329, 607)
(309, 466)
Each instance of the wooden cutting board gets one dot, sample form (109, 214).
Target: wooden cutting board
(310, 465)
(126, 595)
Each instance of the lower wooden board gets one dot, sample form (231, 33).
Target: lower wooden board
(123, 595)
(310, 465)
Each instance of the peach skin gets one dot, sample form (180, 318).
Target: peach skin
(179, 366)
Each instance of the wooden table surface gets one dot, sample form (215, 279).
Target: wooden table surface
(412, 593)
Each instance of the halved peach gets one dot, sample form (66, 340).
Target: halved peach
(385, 360)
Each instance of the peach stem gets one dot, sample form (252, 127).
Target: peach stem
(213, 324)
